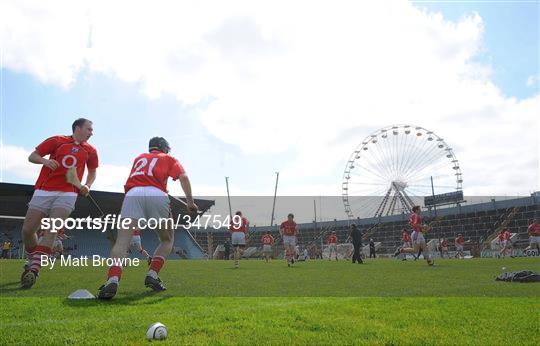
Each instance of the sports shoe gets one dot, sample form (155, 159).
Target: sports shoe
(430, 262)
(154, 284)
(28, 278)
(107, 291)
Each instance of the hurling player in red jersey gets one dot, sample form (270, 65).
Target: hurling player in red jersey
(289, 231)
(239, 228)
(268, 241)
(504, 242)
(406, 243)
(53, 196)
(419, 242)
(147, 199)
(459, 241)
(444, 248)
(534, 235)
(332, 245)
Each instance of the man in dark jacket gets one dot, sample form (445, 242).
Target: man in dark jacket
(227, 253)
(356, 236)
(371, 248)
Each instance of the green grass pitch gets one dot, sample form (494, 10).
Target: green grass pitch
(456, 302)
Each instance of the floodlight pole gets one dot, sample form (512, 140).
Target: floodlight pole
(274, 203)
(228, 196)
(315, 213)
(433, 195)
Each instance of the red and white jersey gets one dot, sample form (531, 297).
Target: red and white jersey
(288, 228)
(332, 239)
(137, 232)
(405, 237)
(267, 239)
(459, 241)
(534, 230)
(415, 222)
(68, 153)
(243, 226)
(153, 169)
(506, 235)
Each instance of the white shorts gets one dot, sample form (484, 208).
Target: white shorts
(406, 244)
(136, 241)
(459, 247)
(145, 202)
(418, 238)
(44, 201)
(289, 240)
(534, 239)
(332, 247)
(267, 248)
(504, 244)
(238, 238)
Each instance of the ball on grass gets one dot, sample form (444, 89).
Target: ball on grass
(156, 331)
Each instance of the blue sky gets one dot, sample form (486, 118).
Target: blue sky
(273, 95)
(510, 40)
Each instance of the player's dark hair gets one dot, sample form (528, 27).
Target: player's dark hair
(291, 215)
(353, 226)
(416, 208)
(267, 232)
(239, 213)
(159, 143)
(79, 123)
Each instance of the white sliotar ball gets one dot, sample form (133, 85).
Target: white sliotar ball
(156, 331)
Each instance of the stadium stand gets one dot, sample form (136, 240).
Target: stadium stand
(478, 223)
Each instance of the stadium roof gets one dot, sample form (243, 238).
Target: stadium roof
(14, 200)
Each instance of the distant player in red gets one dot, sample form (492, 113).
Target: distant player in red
(147, 198)
(53, 196)
(459, 242)
(137, 244)
(504, 242)
(239, 229)
(534, 235)
(406, 243)
(332, 245)
(267, 241)
(289, 231)
(444, 248)
(418, 230)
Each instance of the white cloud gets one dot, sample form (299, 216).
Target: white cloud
(14, 160)
(294, 75)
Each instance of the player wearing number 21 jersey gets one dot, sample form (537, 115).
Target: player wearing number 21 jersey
(146, 198)
(53, 195)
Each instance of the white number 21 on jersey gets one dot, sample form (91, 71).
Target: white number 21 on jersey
(140, 164)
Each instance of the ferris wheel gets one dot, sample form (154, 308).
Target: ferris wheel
(394, 168)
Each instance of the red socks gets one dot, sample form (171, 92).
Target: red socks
(157, 263)
(35, 255)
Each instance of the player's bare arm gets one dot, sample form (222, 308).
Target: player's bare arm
(186, 186)
(90, 178)
(38, 160)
